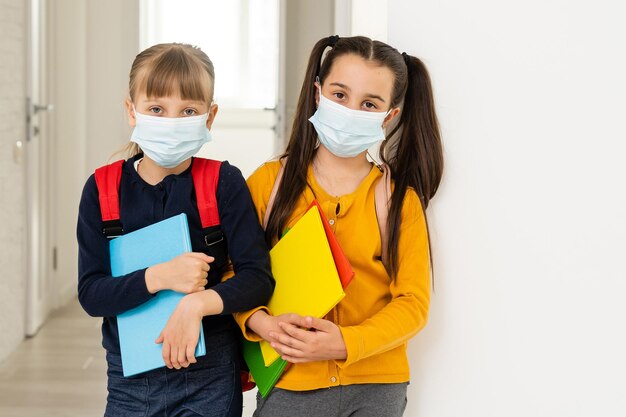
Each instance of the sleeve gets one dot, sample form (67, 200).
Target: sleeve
(252, 283)
(100, 294)
(407, 311)
(260, 185)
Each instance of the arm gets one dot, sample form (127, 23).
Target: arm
(407, 311)
(252, 283)
(260, 185)
(99, 293)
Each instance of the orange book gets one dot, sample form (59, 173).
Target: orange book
(344, 269)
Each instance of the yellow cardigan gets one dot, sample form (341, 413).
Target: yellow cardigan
(378, 316)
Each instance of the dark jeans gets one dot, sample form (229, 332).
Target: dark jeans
(211, 387)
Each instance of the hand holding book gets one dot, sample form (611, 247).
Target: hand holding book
(180, 335)
(308, 339)
(185, 274)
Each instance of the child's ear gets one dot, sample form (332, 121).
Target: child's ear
(212, 113)
(392, 114)
(130, 112)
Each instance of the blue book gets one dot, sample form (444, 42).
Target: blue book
(139, 327)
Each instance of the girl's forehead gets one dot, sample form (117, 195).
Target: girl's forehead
(360, 74)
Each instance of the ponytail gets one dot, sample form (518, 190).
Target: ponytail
(416, 158)
(300, 149)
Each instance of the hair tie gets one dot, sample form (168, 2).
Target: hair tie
(407, 58)
(332, 40)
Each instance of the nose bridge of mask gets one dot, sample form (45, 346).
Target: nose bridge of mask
(354, 122)
(348, 112)
(170, 140)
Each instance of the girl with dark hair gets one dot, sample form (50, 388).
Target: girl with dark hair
(353, 362)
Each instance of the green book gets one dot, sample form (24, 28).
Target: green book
(265, 377)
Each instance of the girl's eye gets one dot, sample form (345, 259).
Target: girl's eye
(369, 105)
(340, 96)
(189, 112)
(156, 110)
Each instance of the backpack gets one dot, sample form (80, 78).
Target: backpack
(205, 174)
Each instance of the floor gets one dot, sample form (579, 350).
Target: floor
(61, 372)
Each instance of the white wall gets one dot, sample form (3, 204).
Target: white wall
(12, 180)
(529, 227)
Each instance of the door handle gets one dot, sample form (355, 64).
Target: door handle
(31, 110)
(42, 107)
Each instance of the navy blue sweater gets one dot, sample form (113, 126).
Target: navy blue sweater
(142, 204)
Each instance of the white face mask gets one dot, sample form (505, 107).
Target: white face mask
(346, 132)
(169, 141)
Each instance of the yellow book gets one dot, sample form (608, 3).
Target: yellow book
(306, 277)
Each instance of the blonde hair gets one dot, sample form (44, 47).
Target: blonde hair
(166, 69)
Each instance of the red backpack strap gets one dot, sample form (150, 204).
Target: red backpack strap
(205, 174)
(108, 182)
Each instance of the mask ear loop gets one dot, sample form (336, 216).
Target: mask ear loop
(318, 85)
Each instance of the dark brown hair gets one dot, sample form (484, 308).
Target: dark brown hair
(412, 149)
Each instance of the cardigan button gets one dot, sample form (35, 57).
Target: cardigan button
(331, 222)
(333, 379)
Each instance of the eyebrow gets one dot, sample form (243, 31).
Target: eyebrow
(345, 87)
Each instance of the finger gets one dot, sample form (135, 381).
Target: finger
(289, 341)
(202, 256)
(174, 357)
(191, 353)
(292, 359)
(295, 332)
(182, 358)
(159, 339)
(318, 324)
(291, 318)
(286, 350)
(165, 352)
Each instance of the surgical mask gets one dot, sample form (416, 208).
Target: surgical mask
(346, 132)
(169, 141)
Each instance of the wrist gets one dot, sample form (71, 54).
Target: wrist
(153, 283)
(205, 303)
(193, 304)
(255, 321)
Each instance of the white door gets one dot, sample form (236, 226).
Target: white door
(40, 296)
